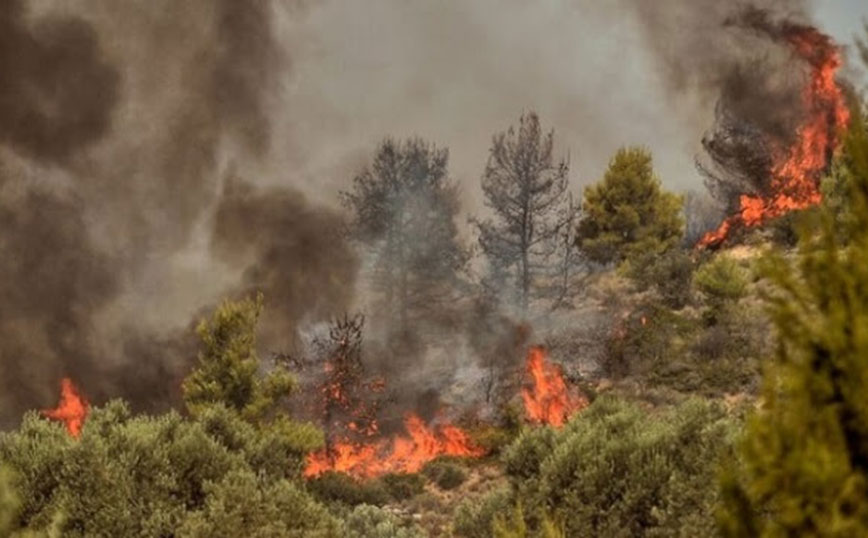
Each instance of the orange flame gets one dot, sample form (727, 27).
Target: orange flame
(403, 453)
(796, 170)
(549, 401)
(71, 410)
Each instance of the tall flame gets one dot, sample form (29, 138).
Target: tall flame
(402, 453)
(796, 170)
(71, 410)
(549, 400)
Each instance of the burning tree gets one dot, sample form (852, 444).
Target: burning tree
(803, 469)
(528, 192)
(350, 402)
(71, 410)
(349, 396)
(764, 166)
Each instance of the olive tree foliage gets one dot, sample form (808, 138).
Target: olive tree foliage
(366, 521)
(803, 467)
(230, 469)
(614, 470)
(526, 241)
(128, 475)
(627, 216)
(403, 209)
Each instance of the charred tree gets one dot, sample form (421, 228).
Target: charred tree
(348, 394)
(527, 190)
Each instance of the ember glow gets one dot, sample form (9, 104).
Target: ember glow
(796, 170)
(549, 400)
(406, 453)
(72, 408)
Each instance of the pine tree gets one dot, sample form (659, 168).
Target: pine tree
(627, 214)
(404, 207)
(228, 372)
(803, 469)
(528, 192)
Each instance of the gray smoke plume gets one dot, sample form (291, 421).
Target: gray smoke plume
(734, 58)
(118, 121)
(296, 254)
(58, 91)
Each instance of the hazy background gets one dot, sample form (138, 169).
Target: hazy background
(456, 72)
(157, 156)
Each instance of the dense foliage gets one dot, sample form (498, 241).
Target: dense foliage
(614, 470)
(627, 215)
(804, 458)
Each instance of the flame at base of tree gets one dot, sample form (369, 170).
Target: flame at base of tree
(404, 453)
(549, 400)
(796, 170)
(71, 410)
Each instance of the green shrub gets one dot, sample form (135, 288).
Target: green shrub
(513, 525)
(445, 473)
(332, 486)
(523, 458)
(149, 476)
(366, 521)
(722, 281)
(240, 504)
(670, 273)
(492, 439)
(474, 517)
(617, 470)
(402, 486)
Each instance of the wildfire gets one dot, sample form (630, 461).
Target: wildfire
(403, 453)
(548, 401)
(796, 170)
(71, 410)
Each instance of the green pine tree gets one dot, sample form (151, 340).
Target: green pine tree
(228, 372)
(628, 215)
(803, 466)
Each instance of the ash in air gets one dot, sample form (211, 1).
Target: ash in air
(156, 157)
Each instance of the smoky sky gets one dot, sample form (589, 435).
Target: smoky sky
(157, 156)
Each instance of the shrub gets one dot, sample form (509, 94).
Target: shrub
(492, 439)
(616, 470)
(444, 473)
(474, 518)
(402, 486)
(240, 504)
(722, 281)
(149, 476)
(669, 273)
(332, 486)
(366, 521)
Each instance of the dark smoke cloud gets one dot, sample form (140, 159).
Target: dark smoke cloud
(117, 125)
(57, 92)
(733, 58)
(294, 253)
(118, 121)
(57, 96)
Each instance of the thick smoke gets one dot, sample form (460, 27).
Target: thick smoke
(297, 255)
(56, 97)
(58, 91)
(118, 124)
(732, 58)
